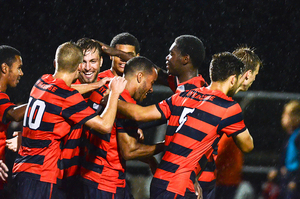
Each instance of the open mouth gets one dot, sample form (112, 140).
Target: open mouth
(89, 74)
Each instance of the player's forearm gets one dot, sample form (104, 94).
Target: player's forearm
(109, 114)
(16, 113)
(85, 88)
(139, 151)
(137, 112)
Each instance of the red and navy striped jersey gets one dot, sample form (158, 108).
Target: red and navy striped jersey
(5, 105)
(104, 168)
(197, 118)
(190, 84)
(53, 111)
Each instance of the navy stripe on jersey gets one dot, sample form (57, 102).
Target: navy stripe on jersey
(207, 185)
(93, 167)
(204, 116)
(238, 132)
(72, 143)
(4, 101)
(94, 150)
(187, 131)
(51, 108)
(161, 112)
(105, 137)
(74, 109)
(121, 175)
(162, 183)
(67, 163)
(24, 174)
(198, 96)
(203, 161)
(215, 143)
(189, 86)
(178, 149)
(58, 90)
(193, 176)
(210, 166)
(32, 143)
(168, 166)
(230, 120)
(35, 159)
(4, 119)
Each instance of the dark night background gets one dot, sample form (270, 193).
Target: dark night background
(37, 28)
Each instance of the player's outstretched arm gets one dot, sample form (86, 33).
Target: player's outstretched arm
(85, 88)
(16, 113)
(139, 113)
(115, 52)
(105, 121)
(130, 148)
(244, 141)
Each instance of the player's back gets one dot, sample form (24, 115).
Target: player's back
(196, 119)
(53, 108)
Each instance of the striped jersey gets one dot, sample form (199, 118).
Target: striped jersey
(197, 118)
(52, 112)
(104, 168)
(5, 105)
(195, 82)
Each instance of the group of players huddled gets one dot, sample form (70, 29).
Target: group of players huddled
(80, 125)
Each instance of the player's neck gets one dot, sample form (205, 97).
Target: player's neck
(68, 78)
(187, 75)
(3, 85)
(220, 86)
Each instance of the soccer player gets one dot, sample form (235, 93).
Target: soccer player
(89, 70)
(229, 159)
(54, 110)
(104, 168)
(197, 119)
(184, 60)
(10, 74)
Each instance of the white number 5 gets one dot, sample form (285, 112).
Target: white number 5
(183, 117)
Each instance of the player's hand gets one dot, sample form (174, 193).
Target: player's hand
(141, 135)
(3, 171)
(198, 190)
(109, 50)
(15, 142)
(117, 84)
(103, 81)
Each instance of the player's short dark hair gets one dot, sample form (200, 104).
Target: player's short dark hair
(192, 46)
(68, 56)
(139, 64)
(89, 44)
(223, 65)
(8, 54)
(126, 38)
(248, 57)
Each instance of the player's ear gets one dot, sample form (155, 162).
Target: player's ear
(4, 68)
(139, 77)
(185, 59)
(248, 73)
(233, 80)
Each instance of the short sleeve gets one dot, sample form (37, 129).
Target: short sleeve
(5, 105)
(77, 110)
(232, 122)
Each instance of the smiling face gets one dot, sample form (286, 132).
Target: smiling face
(118, 64)
(145, 86)
(173, 60)
(90, 67)
(15, 72)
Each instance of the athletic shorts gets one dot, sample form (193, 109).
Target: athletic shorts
(28, 188)
(158, 193)
(94, 193)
